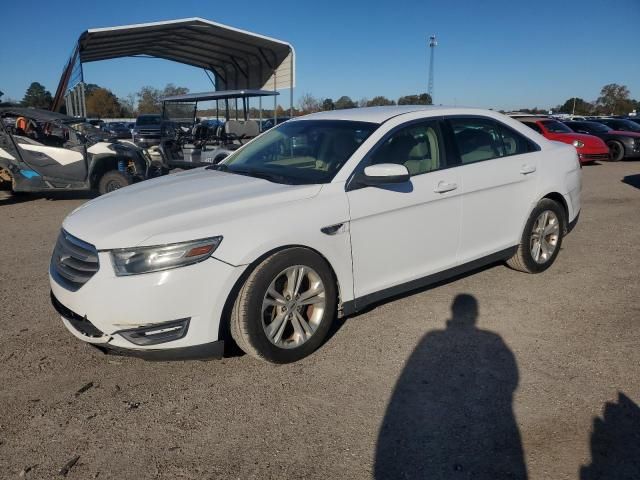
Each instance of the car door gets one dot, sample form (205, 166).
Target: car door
(403, 232)
(498, 174)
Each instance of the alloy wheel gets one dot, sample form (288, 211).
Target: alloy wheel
(544, 237)
(293, 306)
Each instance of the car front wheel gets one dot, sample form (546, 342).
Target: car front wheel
(541, 239)
(616, 151)
(285, 308)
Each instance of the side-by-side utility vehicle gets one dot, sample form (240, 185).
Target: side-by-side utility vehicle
(42, 151)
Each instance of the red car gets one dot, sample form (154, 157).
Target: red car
(589, 147)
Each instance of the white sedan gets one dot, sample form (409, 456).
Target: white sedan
(321, 216)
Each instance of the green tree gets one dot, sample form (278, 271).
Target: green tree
(582, 107)
(102, 103)
(344, 102)
(37, 96)
(380, 101)
(89, 88)
(327, 104)
(614, 99)
(420, 99)
(170, 89)
(149, 100)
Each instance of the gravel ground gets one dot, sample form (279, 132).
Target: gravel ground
(508, 385)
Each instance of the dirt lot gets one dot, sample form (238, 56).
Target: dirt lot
(398, 392)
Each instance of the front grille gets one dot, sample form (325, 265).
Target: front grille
(81, 324)
(73, 262)
(151, 132)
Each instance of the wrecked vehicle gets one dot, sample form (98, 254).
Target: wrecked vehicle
(43, 151)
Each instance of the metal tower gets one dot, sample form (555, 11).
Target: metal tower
(433, 43)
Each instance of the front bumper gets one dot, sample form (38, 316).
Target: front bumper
(110, 305)
(146, 141)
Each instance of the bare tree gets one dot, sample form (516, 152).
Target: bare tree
(309, 104)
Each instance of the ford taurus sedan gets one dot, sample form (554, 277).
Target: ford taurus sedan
(316, 218)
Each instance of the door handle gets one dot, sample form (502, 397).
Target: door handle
(527, 169)
(443, 187)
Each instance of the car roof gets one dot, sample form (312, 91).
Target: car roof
(382, 114)
(38, 114)
(533, 119)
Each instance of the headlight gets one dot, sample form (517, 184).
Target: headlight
(132, 261)
(578, 144)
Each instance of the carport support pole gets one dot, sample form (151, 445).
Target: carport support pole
(291, 88)
(260, 107)
(275, 102)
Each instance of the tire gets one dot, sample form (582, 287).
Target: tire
(616, 150)
(268, 325)
(524, 260)
(111, 181)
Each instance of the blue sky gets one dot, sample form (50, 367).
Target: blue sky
(492, 53)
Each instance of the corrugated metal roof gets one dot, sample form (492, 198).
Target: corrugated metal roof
(240, 59)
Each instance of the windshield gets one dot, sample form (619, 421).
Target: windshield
(555, 127)
(149, 120)
(597, 127)
(624, 125)
(300, 152)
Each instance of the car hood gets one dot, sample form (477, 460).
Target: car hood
(588, 140)
(179, 207)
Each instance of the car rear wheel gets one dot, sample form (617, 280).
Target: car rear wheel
(112, 181)
(285, 308)
(541, 239)
(616, 150)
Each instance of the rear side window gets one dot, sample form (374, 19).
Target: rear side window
(533, 126)
(480, 139)
(417, 147)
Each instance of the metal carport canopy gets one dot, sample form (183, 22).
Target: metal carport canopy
(223, 95)
(237, 58)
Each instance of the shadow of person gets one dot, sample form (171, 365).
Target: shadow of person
(633, 180)
(450, 415)
(615, 443)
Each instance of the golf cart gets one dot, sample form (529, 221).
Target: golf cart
(198, 143)
(42, 151)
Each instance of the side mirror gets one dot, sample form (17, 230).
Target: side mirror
(384, 173)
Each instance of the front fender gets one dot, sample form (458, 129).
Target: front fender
(296, 224)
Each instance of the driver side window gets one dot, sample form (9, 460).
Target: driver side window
(417, 147)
